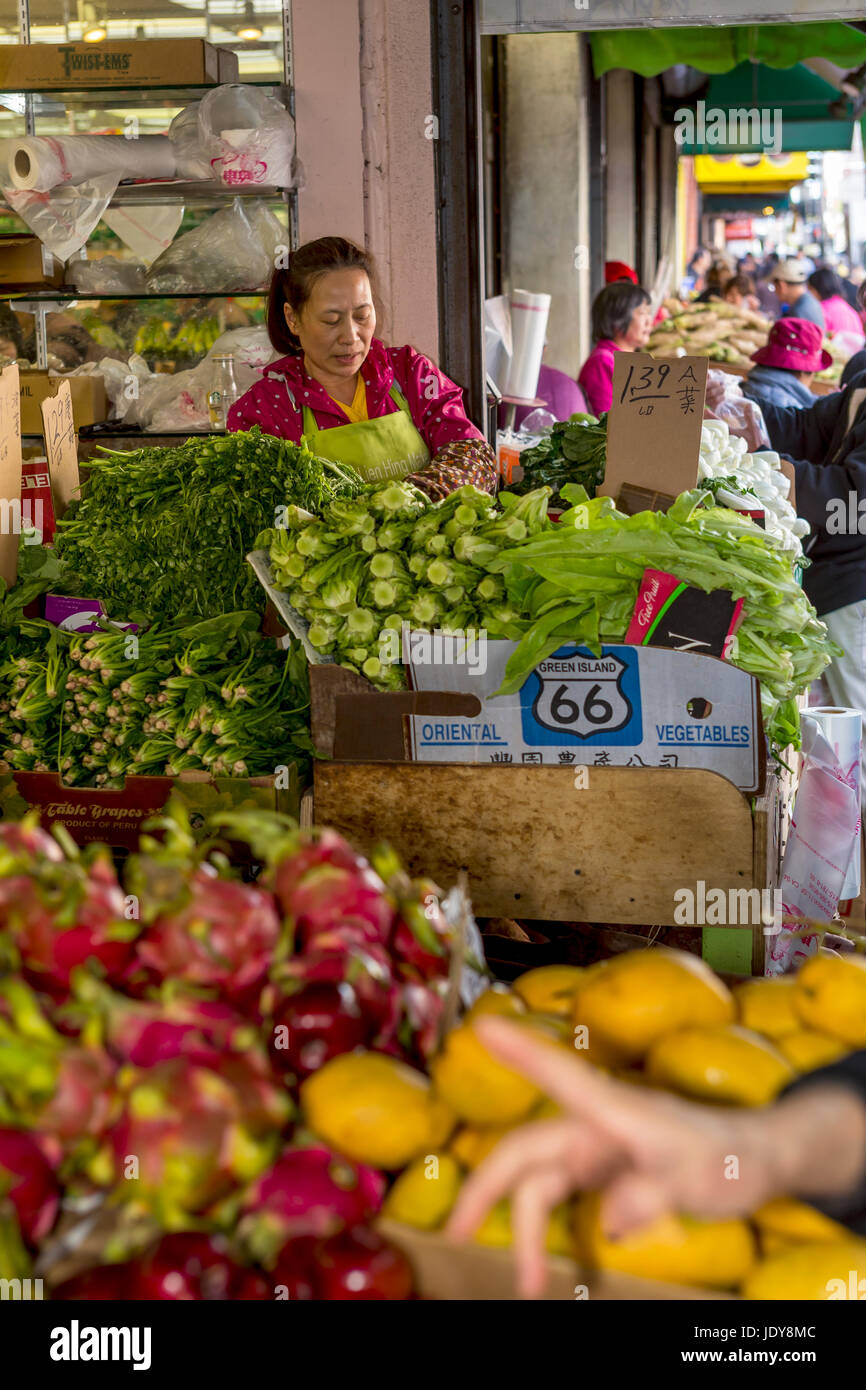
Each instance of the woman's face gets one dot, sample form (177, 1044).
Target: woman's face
(638, 331)
(735, 297)
(337, 323)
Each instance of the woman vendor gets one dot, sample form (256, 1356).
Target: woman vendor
(386, 411)
(621, 322)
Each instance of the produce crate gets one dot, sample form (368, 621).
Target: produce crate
(115, 818)
(533, 846)
(471, 1273)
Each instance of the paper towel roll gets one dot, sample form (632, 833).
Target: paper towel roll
(39, 163)
(843, 730)
(528, 328)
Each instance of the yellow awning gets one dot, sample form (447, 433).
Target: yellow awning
(750, 173)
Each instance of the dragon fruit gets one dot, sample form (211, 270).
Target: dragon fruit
(307, 1192)
(314, 1024)
(223, 937)
(360, 1264)
(23, 844)
(326, 885)
(63, 916)
(188, 1134)
(103, 1282)
(186, 1267)
(145, 1032)
(29, 1181)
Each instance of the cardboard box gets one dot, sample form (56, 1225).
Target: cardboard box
(89, 400)
(473, 1273)
(26, 264)
(115, 818)
(46, 67)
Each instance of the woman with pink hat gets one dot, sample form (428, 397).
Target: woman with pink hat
(787, 364)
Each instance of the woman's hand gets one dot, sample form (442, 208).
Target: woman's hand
(648, 1152)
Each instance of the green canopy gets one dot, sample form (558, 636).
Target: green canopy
(714, 50)
(802, 97)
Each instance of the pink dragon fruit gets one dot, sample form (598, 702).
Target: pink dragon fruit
(194, 1133)
(31, 1185)
(307, 1192)
(64, 916)
(326, 885)
(23, 844)
(314, 1024)
(145, 1032)
(223, 937)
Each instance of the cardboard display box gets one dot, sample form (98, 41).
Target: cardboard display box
(472, 1273)
(46, 67)
(25, 264)
(115, 818)
(89, 399)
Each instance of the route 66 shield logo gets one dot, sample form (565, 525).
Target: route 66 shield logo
(588, 700)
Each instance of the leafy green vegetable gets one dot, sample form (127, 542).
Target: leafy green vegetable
(161, 533)
(574, 451)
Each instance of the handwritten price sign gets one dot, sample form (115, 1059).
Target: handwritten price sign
(60, 446)
(10, 467)
(654, 426)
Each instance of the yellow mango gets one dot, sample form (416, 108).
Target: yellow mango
(496, 1000)
(830, 997)
(495, 1229)
(550, 989)
(630, 1001)
(425, 1192)
(673, 1249)
(375, 1109)
(481, 1090)
(723, 1063)
(792, 1220)
(806, 1050)
(767, 1006)
(828, 1272)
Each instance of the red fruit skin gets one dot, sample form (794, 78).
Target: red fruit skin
(326, 885)
(409, 950)
(304, 1194)
(223, 938)
(83, 1100)
(29, 842)
(109, 1282)
(34, 1191)
(294, 1271)
(152, 1032)
(49, 952)
(321, 1021)
(193, 1268)
(360, 1265)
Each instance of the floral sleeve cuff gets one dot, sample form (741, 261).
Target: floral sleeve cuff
(455, 465)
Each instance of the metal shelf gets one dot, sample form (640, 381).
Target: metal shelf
(190, 192)
(23, 298)
(51, 102)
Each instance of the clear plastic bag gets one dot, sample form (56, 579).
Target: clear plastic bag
(185, 136)
(108, 275)
(234, 250)
(179, 401)
(64, 218)
(245, 136)
(725, 401)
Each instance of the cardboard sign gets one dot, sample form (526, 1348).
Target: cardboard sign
(61, 447)
(10, 473)
(654, 426)
(630, 707)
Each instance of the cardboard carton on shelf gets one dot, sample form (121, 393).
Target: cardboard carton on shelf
(89, 399)
(115, 818)
(44, 67)
(25, 264)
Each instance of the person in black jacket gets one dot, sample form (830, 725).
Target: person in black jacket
(652, 1153)
(827, 445)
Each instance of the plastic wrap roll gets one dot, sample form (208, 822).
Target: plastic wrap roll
(843, 730)
(528, 328)
(39, 163)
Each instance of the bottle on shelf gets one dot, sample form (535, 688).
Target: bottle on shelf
(224, 389)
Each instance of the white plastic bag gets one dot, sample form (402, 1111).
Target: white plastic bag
(246, 137)
(64, 218)
(179, 401)
(185, 137)
(725, 401)
(108, 275)
(234, 250)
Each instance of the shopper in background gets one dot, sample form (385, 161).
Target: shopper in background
(787, 364)
(739, 290)
(789, 282)
(621, 322)
(651, 1155)
(388, 412)
(839, 317)
(747, 265)
(696, 270)
(717, 275)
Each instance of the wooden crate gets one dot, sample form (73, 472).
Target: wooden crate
(533, 845)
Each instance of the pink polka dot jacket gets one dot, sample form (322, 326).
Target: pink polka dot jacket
(459, 452)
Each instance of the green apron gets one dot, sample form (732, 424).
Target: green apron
(389, 447)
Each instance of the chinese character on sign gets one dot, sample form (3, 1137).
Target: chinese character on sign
(602, 760)
(566, 757)
(501, 758)
(687, 396)
(635, 761)
(670, 760)
(531, 757)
